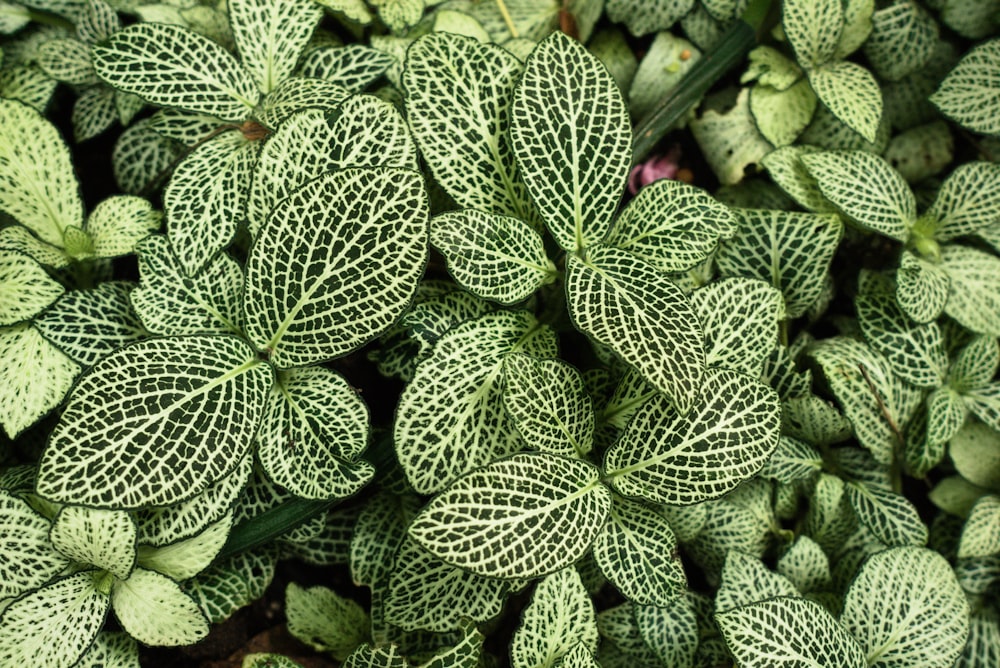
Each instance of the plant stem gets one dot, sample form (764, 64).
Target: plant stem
(502, 6)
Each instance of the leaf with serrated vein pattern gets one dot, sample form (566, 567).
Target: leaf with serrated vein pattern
(889, 516)
(67, 60)
(806, 565)
(914, 351)
(25, 288)
(851, 94)
(559, 616)
(626, 304)
(792, 460)
(636, 551)
(30, 559)
(128, 428)
(35, 376)
(971, 91)
(450, 417)
(921, 287)
(975, 365)
(974, 293)
(298, 93)
(377, 535)
(984, 402)
(731, 430)
(521, 517)
(907, 609)
(814, 420)
(140, 156)
(270, 36)
(186, 558)
(155, 611)
(813, 28)
(788, 632)
(642, 17)
(353, 66)
(981, 532)
(171, 66)
(360, 235)
(465, 140)
(93, 112)
(747, 580)
(572, 139)
(630, 393)
(103, 538)
(118, 223)
(670, 631)
(968, 200)
(233, 583)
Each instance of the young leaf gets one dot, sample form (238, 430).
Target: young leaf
(975, 365)
(171, 66)
(922, 287)
(642, 18)
(787, 170)
(788, 632)
(974, 451)
(102, 538)
(746, 580)
(792, 460)
(851, 94)
(625, 303)
(782, 115)
(133, 409)
(97, 22)
(945, 414)
(67, 60)
(559, 616)
(974, 296)
(914, 351)
(270, 36)
(93, 112)
(968, 200)
(186, 558)
(377, 535)
(354, 232)
(141, 156)
(813, 28)
(889, 516)
(857, 26)
(118, 223)
(484, 520)
(730, 431)
(30, 559)
(155, 611)
(367, 656)
(970, 92)
(572, 138)
(671, 631)
(829, 520)
(906, 608)
(326, 621)
(814, 420)
(25, 288)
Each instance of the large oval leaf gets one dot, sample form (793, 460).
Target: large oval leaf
(270, 36)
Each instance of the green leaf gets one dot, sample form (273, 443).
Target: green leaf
(782, 115)
(974, 451)
(921, 287)
(549, 405)
(270, 36)
(93, 112)
(740, 319)
(851, 94)
(787, 170)
(974, 294)
(30, 560)
(857, 26)
(154, 610)
(299, 93)
(141, 155)
(367, 656)
(792, 460)
(27, 84)
(968, 201)
(670, 631)
(945, 414)
(730, 431)
(560, 616)
(353, 232)
(314, 429)
(746, 580)
(642, 18)
(186, 558)
(25, 288)
(889, 516)
(352, 66)
(906, 608)
(983, 646)
(38, 187)
(105, 436)
(377, 535)
(483, 520)
(97, 22)
(814, 420)
(915, 352)
(102, 538)
(769, 67)
(975, 365)
(813, 27)
(981, 533)
(170, 302)
(984, 403)
(171, 66)
(672, 226)
(450, 417)
(111, 650)
(263, 660)
(806, 565)
(67, 60)
(54, 625)
(325, 621)
(233, 583)
(579, 656)
(829, 520)
(730, 140)
(494, 257)
(902, 40)
(623, 302)
(790, 632)
(118, 223)
(637, 552)
(971, 91)
(35, 376)
(19, 239)
(458, 101)
(572, 139)
(13, 18)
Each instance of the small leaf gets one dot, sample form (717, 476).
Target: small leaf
(915, 352)
(851, 94)
(813, 28)
(296, 94)
(981, 533)
(270, 36)
(480, 523)
(154, 610)
(889, 516)
(975, 451)
(325, 621)
(30, 559)
(746, 580)
(782, 115)
(971, 90)
(975, 365)
(111, 650)
(792, 460)
(142, 156)
(968, 200)
(642, 18)
(97, 22)
(102, 538)
(186, 558)
(35, 376)
(945, 414)
(806, 565)
(25, 288)
(921, 287)
(233, 583)
(377, 535)
(902, 40)
(671, 631)
(118, 223)
(974, 294)
(814, 420)
(560, 616)
(68, 61)
(857, 26)
(786, 168)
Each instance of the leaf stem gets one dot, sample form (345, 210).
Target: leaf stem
(502, 6)
(895, 473)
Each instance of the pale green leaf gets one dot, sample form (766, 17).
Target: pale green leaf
(299, 93)
(975, 365)
(134, 407)
(458, 102)
(111, 650)
(983, 646)
(27, 84)
(747, 580)
(263, 660)
(315, 427)
(806, 565)
(623, 302)
(902, 40)
(610, 46)
(975, 451)
(636, 551)
(667, 60)
(915, 352)
(857, 26)
(730, 431)
(141, 156)
(829, 520)
(971, 91)
(572, 138)
(642, 18)
(968, 200)
(672, 226)
(727, 527)
(787, 170)
(93, 112)
(38, 186)
(35, 376)
(981, 533)
(670, 631)
(450, 417)
(188, 128)
(922, 151)
(559, 616)
(771, 68)
(814, 420)
(322, 619)
(620, 631)
(906, 609)
(782, 115)
(29, 560)
(974, 294)
(851, 94)
(740, 319)
(118, 223)
(68, 61)
(945, 414)
(549, 405)
(377, 535)
(889, 516)
(270, 36)
(233, 583)
(171, 66)
(813, 28)
(730, 141)
(367, 656)
(955, 496)
(460, 23)
(789, 632)
(484, 520)
(26, 289)
(352, 66)
(19, 239)
(330, 545)
(154, 610)
(495, 257)
(921, 287)
(54, 625)
(532, 19)
(579, 656)
(186, 558)
(102, 538)
(13, 17)
(984, 402)
(97, 22)
(792, 460)
(353, 232)
(630, 393)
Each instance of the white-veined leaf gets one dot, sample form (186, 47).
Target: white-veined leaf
(974, 294)
(29, 560)
(111, 650)
(494, 257)
(186, 127)
(788, 632)
(35, 376)
(118, 223)
(559, 616)
(170, 302)
(814, 420)
(769, 67)
(792, 460)
(746, 580)
(377, 535)
(984, 402)
(13, 17)
(906, 608)
(141, 156)
(25, 288)
(968, 200)
(921, 287)
(945, 414)
(671, 632)
(637, 552)
(630, 393)
(975, 365)
(93, 112)
(730, 140)
(155, 611)
(579, 656)
(27, 84)
(672, 225)
(450, 417)
(782, 115)
(171, 66)
(367, 656)
(19, 239)
(67, 60)
(54, 625)
(813, 28)
(642, 17)
(740, 319)
(625, 303)
(128, 428)
(983, 646)
(465, 141)
(829, 520)
(315, 427)
(361, 237)
(730, 431)
(889, 516)
(806, 565)
(971, 91)
(270, 36)
(981, 532)
(787, 170)
(97, 22)
(857, 26)
(485, 521)
(851, 94)
(549, 404)
(186, 558)
(915, 352)
(975, 452)
(353, 66)
(299, 93)
(571, 136)
(38, 187)
(102, 538)
(325, 621)
(224, 588)
(902, 40)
